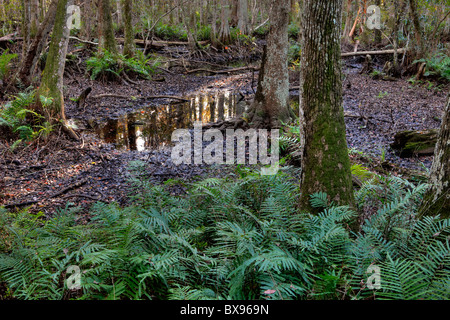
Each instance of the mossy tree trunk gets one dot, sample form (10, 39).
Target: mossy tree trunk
(325, 160)
(107, 41)
(52, 77)
(271, 105)
(417, 28)
(127, 8)
(437, 200)
(29, 61)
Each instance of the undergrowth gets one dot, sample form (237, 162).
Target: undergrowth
(437, 66)
(27, 125)
(231, 239)
(108, 66)
(5, 59)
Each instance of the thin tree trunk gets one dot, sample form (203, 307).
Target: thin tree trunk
(378, 31)
(25, 26)
(34, 18)
(325, 160)
(348, 21)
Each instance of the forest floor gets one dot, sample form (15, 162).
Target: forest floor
(62, 172)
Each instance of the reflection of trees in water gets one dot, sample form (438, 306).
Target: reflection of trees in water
(153, 127)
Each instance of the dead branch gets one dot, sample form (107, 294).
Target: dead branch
(363, 53)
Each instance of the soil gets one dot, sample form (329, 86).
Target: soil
(62, 173)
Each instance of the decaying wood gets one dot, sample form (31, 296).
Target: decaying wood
(10, 37)
(410, 143)
(71, 187)
(364, 53)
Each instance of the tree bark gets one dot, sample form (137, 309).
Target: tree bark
(243, 17)
(52, 77)
(105, 28)
(417, 27)
(224, 32)
(271, 104)
(128, 48)
(437, 200)
(325, 160)
(28, 65)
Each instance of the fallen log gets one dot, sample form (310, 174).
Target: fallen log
(160, 44)
(155, 43)
(415, 143)
(222, 71)
(363, 53)
(10, 37)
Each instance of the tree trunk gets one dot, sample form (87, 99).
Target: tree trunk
(88, 14)
(396, 69)
(224, 33)
(234, 5)
(28, 65)
(243, 17)
(128, 48)
(271, 104)
(106, 37)
(437, 201)
(417, 27)
(52, 77)
(34, 18)
(325, 160)
(348, 21)
(25, 26)
(378, 31)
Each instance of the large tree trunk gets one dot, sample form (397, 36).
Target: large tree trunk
(28, 65)
(417, 27)
(243, 17)
(128, 48)
(271, 104)
(106, 37)
(437, 201)
(224, 32)
(52, 77)
(325, 160)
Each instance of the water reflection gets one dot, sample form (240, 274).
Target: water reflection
(152, 127)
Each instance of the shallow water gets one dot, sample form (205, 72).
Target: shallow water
(151, 127)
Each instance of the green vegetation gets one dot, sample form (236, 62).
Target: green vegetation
(229, 239)
(19, 118)
(5, 59)
(437, 66)
(107, 66)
